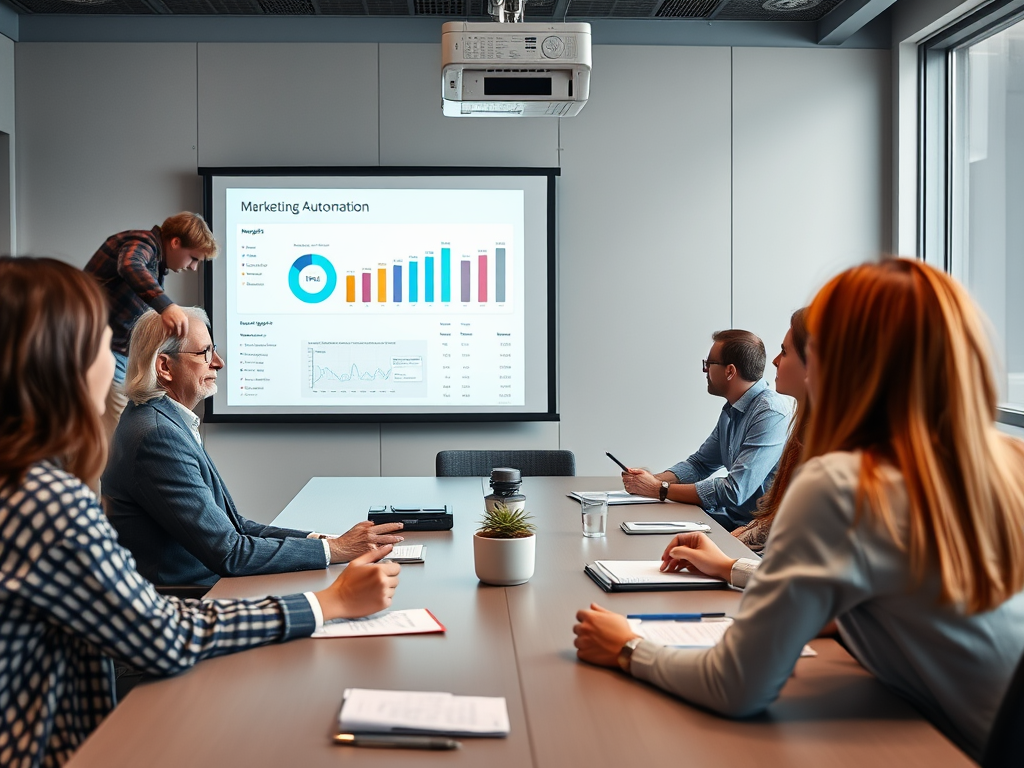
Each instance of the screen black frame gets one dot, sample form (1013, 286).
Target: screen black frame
(551, 414)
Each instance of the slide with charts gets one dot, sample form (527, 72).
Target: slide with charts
(374, 297)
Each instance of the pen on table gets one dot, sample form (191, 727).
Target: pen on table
(395, 741)
(674, 616)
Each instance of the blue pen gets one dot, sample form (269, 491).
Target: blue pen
(675, 616)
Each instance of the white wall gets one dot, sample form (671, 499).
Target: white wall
(810, 172)
(700, 187)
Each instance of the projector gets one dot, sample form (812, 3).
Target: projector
(496, 69)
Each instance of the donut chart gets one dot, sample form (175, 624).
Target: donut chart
(323, 286)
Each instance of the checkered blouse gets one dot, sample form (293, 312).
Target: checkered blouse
(71, 599)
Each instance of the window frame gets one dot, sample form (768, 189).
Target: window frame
(940, 194)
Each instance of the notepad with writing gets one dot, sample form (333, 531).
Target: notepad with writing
(410, 622)
(690, 634)
(365, 710)
(645, 576)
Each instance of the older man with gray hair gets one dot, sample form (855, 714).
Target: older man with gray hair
(162, 491)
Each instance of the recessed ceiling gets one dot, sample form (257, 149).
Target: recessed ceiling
(536, 10)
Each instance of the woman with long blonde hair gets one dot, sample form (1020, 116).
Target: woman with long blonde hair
(904, 523)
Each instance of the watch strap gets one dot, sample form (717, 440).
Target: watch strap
(663, 490)
(626, 654)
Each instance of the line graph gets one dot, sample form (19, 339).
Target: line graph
(319, 373)
(365, 368)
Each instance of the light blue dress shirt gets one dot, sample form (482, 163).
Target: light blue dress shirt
(748, 442)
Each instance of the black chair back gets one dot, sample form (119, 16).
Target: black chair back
(529, 463)
(1005, 746)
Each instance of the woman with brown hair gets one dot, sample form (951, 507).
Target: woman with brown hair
(70, 597)
(696, 552)
(905, 522)
(790, 379)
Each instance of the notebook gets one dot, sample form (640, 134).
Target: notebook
(645, 576)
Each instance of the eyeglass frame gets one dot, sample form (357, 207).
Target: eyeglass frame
(207, 353)
(706, 363)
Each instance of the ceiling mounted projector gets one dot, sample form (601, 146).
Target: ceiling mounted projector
(497, 69)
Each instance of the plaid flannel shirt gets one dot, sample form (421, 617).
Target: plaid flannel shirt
(130, 267)
(70, 597)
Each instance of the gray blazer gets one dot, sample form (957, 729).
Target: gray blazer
(173, 511)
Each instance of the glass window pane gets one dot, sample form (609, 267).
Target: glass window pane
(987, 193)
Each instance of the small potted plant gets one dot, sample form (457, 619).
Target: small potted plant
(504, 547)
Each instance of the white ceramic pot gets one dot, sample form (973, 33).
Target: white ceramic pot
(504, 562)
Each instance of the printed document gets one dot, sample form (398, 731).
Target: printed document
(371, 711)
(411, 622)
(408, 553)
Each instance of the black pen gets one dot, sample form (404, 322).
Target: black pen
(395, 741)
(624, 467)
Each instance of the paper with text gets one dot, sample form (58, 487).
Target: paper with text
(411, 622)
(408, 553)
(371, 711)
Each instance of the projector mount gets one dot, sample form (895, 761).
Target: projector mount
(507, 11)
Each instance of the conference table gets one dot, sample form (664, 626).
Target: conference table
(277, 705)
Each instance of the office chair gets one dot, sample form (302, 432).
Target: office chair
(1005, 747)
(529, 463)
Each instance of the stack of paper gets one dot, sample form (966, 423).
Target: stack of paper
(369, 711)
(411, 622)
(618, 497)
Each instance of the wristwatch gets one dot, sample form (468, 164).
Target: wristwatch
(626, 654)
(663, 491)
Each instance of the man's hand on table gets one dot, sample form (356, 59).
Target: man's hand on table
(362, 537)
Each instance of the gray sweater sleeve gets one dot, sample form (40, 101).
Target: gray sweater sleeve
(813, 572)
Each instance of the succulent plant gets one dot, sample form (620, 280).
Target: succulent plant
(502, 523)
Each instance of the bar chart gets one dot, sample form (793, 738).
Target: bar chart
(481, 279)
(398, 270)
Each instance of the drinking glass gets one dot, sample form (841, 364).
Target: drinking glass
(594, 507)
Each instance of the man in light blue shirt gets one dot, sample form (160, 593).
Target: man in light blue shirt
(747, 442)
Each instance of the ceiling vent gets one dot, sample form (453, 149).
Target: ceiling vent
(687, 9)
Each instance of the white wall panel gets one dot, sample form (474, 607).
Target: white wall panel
(811, 176)
(644, 254)
(287, 104)
(106, 142)
(414, 132)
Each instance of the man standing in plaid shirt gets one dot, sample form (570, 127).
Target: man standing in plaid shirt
(130, 266)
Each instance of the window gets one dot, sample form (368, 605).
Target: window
(972, 175)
